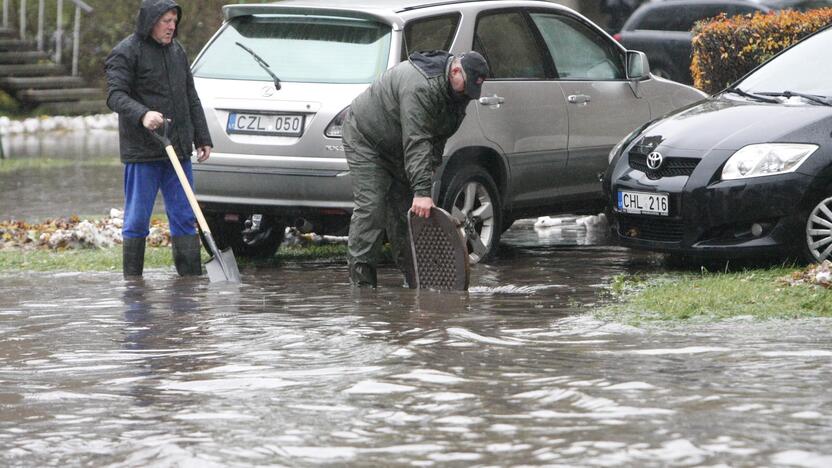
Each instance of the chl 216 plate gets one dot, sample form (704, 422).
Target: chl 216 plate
(265, 124)
(643, 203)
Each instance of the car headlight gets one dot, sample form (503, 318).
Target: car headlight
(766, 159)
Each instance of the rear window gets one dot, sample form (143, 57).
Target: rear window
(436, 33)
(298, 48)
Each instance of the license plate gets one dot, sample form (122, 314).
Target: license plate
(643, 203)
(265, 124)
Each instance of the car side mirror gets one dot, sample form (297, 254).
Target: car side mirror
(637, 66)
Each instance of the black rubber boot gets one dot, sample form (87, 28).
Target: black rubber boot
(186, 255)
(363, 275)
(133, 257)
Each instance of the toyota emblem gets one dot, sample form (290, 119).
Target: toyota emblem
(654, 160)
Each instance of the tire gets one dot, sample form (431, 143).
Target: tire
(817, 245)
(230, 234)
(473, 199)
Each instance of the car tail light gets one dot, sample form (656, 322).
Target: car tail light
(333, 130)
(617, 37)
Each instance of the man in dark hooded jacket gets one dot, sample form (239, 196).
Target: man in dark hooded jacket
(394, 137)
(149, 80)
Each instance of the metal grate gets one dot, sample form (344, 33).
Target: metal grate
(651, 228)
(435, 259)
(671, 167)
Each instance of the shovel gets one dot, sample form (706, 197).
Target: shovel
(222, 266)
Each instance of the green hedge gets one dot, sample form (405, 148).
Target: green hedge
(727, 48)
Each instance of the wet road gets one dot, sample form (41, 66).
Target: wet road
(294, 368)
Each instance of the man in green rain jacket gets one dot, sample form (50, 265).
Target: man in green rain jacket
(394, 137)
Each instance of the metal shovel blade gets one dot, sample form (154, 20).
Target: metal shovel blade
(223, 267)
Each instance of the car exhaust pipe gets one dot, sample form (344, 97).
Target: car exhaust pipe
(303, 225)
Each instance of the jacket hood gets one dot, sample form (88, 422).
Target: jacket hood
(430, 63)
(151, 11)
(727, 124)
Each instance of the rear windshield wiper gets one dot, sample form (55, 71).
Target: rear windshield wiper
(263, 65)
(751, 95)
(811, 97)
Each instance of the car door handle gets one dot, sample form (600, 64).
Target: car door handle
(578, 99)
(493, 101)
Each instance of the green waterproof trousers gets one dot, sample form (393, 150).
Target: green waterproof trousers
(381, 201)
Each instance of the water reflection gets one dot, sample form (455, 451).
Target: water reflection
(60, 174)
(296, 368)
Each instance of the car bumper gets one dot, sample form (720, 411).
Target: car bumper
(273, 189)
(740, 218)
(291, 196)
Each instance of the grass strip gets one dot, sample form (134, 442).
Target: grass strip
(14, 165)
(762, 294)
(155, 257)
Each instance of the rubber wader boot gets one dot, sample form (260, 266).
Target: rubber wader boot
(186, 255)
(133, 258)
(363, 275)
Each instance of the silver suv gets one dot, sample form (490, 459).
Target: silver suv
(276, 81)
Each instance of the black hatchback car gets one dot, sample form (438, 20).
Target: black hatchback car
(662, 28)
(745, 172)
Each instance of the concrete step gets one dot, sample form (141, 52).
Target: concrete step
(74, 108)
(35, 69)
(29, 56)
(40, 96)
(17, 44)
(41, 82)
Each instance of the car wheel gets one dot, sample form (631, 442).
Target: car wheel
(261, 244)
(472, 198)
(818, 246)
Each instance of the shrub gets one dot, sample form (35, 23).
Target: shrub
(725, 49)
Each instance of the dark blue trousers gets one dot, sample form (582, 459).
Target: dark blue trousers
(142, 181)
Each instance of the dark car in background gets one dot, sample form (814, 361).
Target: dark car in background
(747, 172)
(661, 28)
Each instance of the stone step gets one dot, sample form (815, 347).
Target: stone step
(41, 82)
(39, 96)
(34, 69)
(74, 108)
(17, 44)
(29, 56)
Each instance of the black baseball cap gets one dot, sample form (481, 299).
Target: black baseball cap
(476, 71)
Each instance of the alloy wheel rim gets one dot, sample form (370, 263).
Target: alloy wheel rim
(474, 210)
(819, 230)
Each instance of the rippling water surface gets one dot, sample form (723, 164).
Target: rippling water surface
(294, 368)
(60, 174)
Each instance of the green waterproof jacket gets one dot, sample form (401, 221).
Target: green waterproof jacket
(406, 116)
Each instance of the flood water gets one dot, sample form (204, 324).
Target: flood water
(295, 368)
(64, 174)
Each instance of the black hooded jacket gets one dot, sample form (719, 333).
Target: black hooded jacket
(143, 75)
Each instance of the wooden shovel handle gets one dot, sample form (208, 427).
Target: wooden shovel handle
(186, 186)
